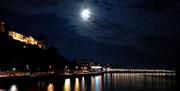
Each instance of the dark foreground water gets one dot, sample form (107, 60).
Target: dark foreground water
(106, 82)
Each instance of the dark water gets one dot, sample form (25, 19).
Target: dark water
(106, 82)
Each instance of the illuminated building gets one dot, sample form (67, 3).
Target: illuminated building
(25, 39)
(22, 38)
(97, 68)
(84, 64)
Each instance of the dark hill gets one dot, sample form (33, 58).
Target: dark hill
(16, 54)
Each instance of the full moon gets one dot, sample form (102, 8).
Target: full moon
(85, 14)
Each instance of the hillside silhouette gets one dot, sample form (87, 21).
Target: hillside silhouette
(17, 54)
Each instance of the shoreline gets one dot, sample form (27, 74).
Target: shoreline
(77, 75)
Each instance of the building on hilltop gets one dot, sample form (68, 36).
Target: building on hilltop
(22, 38)
(2, 28)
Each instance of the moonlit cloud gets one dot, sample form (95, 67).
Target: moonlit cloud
(31, 7)
(132, 23)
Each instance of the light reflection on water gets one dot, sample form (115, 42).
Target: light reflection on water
(13, 88)
(139, 82)
(50, 87)
(2, 90)
(106, 82)
(92, 83)
(67, 85)
(83, 86)
(77, 86)
(98, 83)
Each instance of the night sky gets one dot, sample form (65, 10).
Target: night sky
(132, 33)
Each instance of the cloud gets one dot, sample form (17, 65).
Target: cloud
(113, 21)
(29, 6)
(158, 5)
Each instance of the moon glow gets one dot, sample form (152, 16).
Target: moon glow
(86, 14)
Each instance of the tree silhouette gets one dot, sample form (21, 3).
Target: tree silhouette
(42, 41)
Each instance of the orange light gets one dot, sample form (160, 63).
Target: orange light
(50, 87)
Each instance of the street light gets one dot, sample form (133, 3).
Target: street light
(27, 67)
(13, 69)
